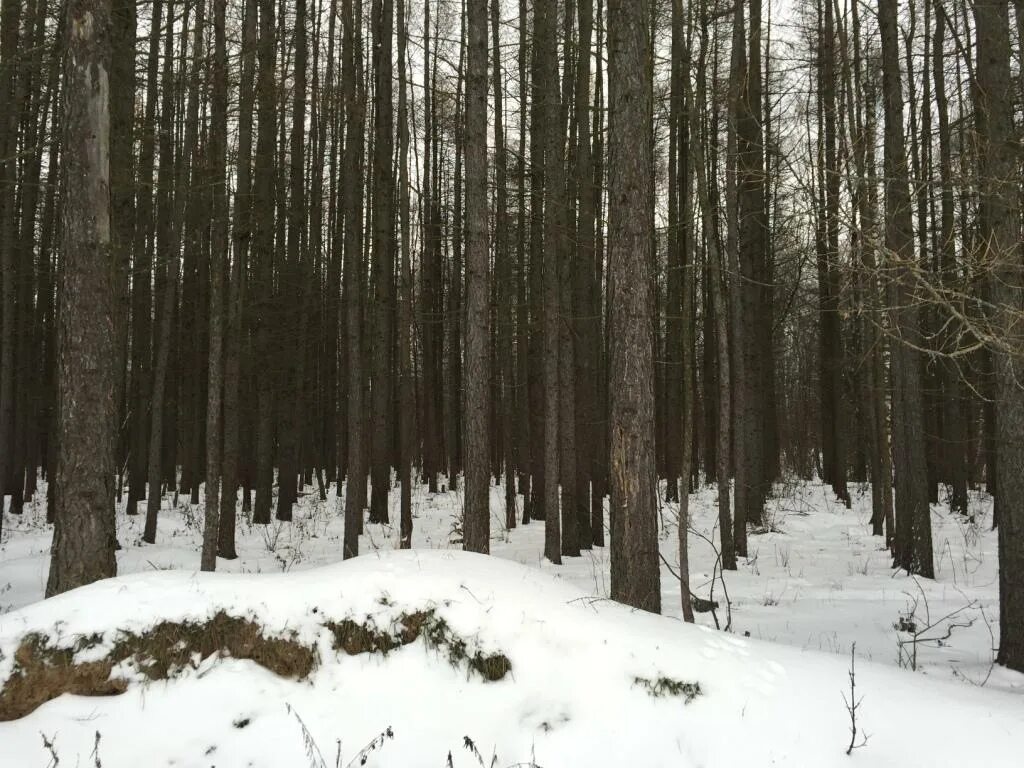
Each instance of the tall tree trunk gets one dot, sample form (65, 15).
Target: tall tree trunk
(955, 448)
(524, 412)
(563, 224)
(429, 276)
(236, 335)
(355, 105)
(263, 255)
(743, 409)
(683, 183)
(599, 454)
(635, 568)
(293, 282)
(536, 370)
(585, 322)
(834, 427)
(505, 277)
(752, 234)
(141, 323)
(455, 315)
(716, 276)
(477, 381)
(913, 545)
(84, 537)
(10, 20)
(122, 190)
(47, 303)
(190, 203)
(382, 255)
(545, 37)
(865, 337)
(407, 407)
(167, 280)
(218, 261)
(1000, 189)
(26, 187)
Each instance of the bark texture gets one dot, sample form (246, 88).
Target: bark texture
(83, 542)
(635, 568)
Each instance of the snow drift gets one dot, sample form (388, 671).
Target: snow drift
(422, 654)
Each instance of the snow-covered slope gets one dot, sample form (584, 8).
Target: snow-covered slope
(815, 578)
(575, 696)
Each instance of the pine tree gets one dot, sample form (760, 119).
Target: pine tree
(635, 568)
(83, 543)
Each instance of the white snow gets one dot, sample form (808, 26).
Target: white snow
(820, 583)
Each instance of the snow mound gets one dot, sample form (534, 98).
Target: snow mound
(568, 681)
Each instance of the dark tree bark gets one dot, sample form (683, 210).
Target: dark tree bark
(505, 277)
(1000, 220)
(585, 322)
(330, 145)
(236, 335)
(47, 303)
(10, 19)
(635, 568)
(477, 514)
(167, 280)
(354, 97)
(913, 545)
(382, 254)
(218, 261)
(743, 409)
(599, 453)
(407, 408)
(430, 295)
(716, 276)
(83, 541)
(751, 250)
(561, 224)
(293, 282)
(546, 21)
(672, 362)
(524, 412)
(190, 203)
(953, 421)
(833, 423)
(34, 113)
(455, 314)
(263, 255)
(866, 340)
(921, 167)
(535, 380)
(122, 189)
(141, 298)
(683, 183)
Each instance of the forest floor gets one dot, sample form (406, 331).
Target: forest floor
(816, 581)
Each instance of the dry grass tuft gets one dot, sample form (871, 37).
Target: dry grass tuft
(666, 686)
(171, 646)
(43, 672)
(355, 638)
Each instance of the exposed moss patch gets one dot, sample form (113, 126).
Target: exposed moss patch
(666, 686)
(43, 672)
(355, 638)
(171, 646)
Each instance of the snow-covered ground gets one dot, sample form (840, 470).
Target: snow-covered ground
(817, 582)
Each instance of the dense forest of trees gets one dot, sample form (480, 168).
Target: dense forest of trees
(254, 248)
